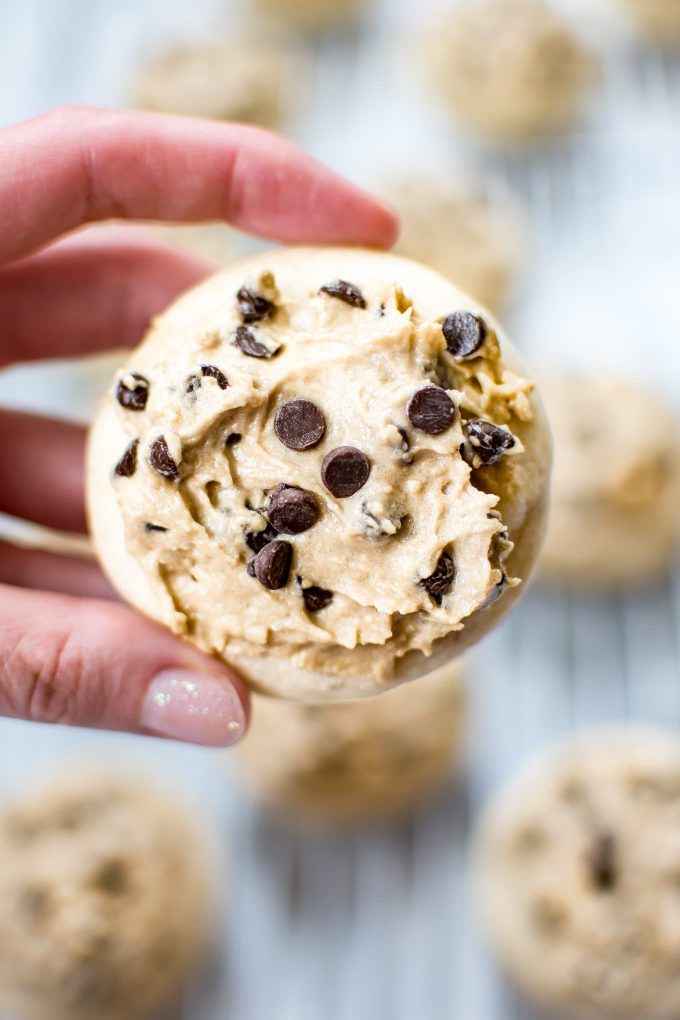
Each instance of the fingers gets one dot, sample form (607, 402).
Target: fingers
(48, 571)
(89, 294)
(77, 165)
(41, 466)
(88, 663)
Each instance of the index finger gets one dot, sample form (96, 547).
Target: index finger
(80, 164)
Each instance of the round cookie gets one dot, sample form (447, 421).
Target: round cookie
(577, 869)
(355, 760)
(658, 18)
(615, 504)
(509, 69)
(322, 464)
(105, 905)
(455, 228)
(313, 15)
(239, 79)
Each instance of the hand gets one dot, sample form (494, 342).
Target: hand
(66, 654)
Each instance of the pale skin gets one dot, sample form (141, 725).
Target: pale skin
(69, 653)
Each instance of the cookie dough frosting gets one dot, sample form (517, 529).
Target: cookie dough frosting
(614, 515)
(659, 18)
(577, 867)
(509, 69)
(104, 900)
(363, 759)
(322, 456)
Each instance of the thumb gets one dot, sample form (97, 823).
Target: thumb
(83, 662)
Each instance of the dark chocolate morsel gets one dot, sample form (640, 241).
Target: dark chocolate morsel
(299, 424)
(488, 441)
(233, 438)
(257, 540)
(217, 374)
(272, 565)
(291, 510)
(127, 465)
(253, 307)
(160, 459)
(316, 598)
(250, 567)
(345, 470)
(133, 398)
(440, 580)
(344, 291)
(192, 385)
(153, 527)
(464, 333)
(431, 410)
(602, 866)
(247, 342)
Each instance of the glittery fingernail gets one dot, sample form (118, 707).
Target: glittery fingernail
(195, 707)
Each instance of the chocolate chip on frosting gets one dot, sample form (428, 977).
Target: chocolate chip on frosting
(253, 307)
(148, 527)
(602, 865)
(161, 460)
(192, 385)
(291, 510)
(344, 291)
(217, 374)
(440, 580)
(133, 398)
(344, 471)
(300, 424)
(316, 598)
(127, 465)
(431, 410)
(233, 438)
(271, 566)
(488, 441)
(464, 333)
(257, 540)
(247, 342)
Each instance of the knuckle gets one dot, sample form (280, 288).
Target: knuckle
(53, 682)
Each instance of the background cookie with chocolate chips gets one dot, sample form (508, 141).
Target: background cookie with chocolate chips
(576, 874)
(339, 469)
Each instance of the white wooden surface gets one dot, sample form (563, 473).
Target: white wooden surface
(376, 924)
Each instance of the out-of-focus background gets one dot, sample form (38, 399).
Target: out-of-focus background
(376, 922)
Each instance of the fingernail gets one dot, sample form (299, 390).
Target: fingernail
(195, 707)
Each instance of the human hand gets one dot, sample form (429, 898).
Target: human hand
(66, 654)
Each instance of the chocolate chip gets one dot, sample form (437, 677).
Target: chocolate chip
(233, 438)
(217, 374)
(441, 580)
(316, 598)
(257, 540)
(160, 459)
(127, 465)
(601, 862)
(488, 441)
(112, 877)
(431, 410)
(250, 567)
(345, 470)
(291, 510)
(247, 342)
(253, 307)
(300, 424)
(464, 333)
(153, 527)
(344, 291)
(271, 566)
(133, 398)
(192, 385)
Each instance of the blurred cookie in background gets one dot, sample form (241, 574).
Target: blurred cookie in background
(457, 228)
(245, 79)
(576, 873)
(313, 15)
(658, 18)
(355, 760)
(511, 70)
(213, 242)
(615, 504)
(105, 899)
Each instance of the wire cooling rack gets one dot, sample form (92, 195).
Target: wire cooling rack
(376, 923)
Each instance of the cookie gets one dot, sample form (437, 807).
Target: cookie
(213, 242)
(511, 70)
(313, 15)
(105, 905)
(659, 19)
(475, 241)
(358, 760)
(576, 873)
(615, 504)
(324, 465)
